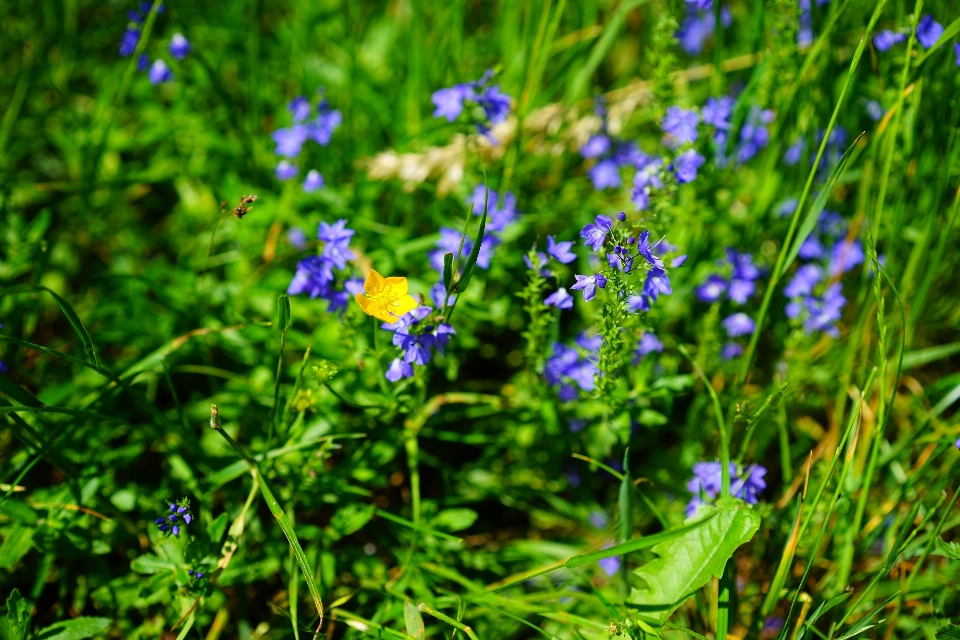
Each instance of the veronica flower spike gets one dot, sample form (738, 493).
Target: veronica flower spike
(385, 298)
(589, 284)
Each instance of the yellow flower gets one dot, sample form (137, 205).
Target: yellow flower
(385, 298)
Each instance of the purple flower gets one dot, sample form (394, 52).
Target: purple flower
(787, 207)
(285, 170)
(589, 284)
(314, 276)
(820, 314)
(812, 248)
(160, 72)
(610, 565)
(605, 175)
(739, 324)
(449, 242)
(179, 46)
(730, 351)
(561, 251)
(399, 369)
(576, 426)
(449, 102)
(290, 141)
(178, 516)
(636, 304)
(956, 52)
(743, 267)
(793, 153)
(804, 281)
(629, 154)
(649, 343)
(3, 367)
(128, 43)
(928, 31)
(657, 282)
(957, 443)
(754, 135)
(442, 334)
(706, 483)
(646, 251)
(323, 126)
(299, 108)
(596, 146)
(591, 343)
(560, 298)
(678, 261)
(595, 233)
(681, 124)
(336, 232)
(694, 31)
(313, 181)
(874, 109)
(542, 260)
(495, 104)
(297, 238)
(845, 256)
(143, 62)
(886, 39)
(499, 214)
(712, 289)
(717, 112)
(598, 519)
(686, 164)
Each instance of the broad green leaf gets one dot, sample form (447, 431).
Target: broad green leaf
(413, 620)
(10, 388)
(455, 519)
(151, 564)
(16, 544)
(687, 562)
(948, 632)
(18, 616)
(351, 518)
(949, 549)
(76, 629)
(217, 528)
(813, 215)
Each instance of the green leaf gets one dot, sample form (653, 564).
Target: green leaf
(813, 215)
(952, 29)
(18, 615)
(217, 528)
(76, 629)
(949, 549)
(351, 518)
(283, 311)
(948, 632)
(687, 562)
(10, 388)
(70, 314)
(150, 564)
(447, 272)
(455, 519)
(413, 620)
(16, 544)
(474, 252)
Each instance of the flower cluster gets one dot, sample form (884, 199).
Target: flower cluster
(680, 127)
(158, 71)
(738, 287)
(928, 32)
(699, 25)
(570, 368)
(196, 575)
(805, 32)
(611, 154)
(179, 516)
(821, 312)
(315, 274)
(290, 140)
(489, 105)
(746, 484)
(417, 338)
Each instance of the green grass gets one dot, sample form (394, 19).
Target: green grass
(469, 501)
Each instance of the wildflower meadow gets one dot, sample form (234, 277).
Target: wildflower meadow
(474, 320)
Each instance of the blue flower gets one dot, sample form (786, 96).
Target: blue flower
(3, 367)
(657, 282)
(500, 213)
(845, 256)
(589, 343)
(561, 251)
(336, 232)
(874, 110)
(290, 141)
(285, 170)
(128, 43)
(297, 238)
(605, 175)
(956, 52)
(686, 164)
(886, 39)
(793, 152)
(644, 182)
(610, 565)
(819, 314)
(717, 112)
(449, 242)
(399, 369)
(143, 62)
(449, 102)
(595, 233)
(495, 104)
(596, 146)
(681, 124)
(754, 135)
(179, 516)
(559, 298)
(299, 108)
(179, 46)
(568, 370)
(803, 283)
(713, 289)
(327, 121)
(706, 483)
(636, 303)
(160, 72)
(730, 351)
(739, 324)
(543, 260)
(649, 343)
(313, 181)
(646, 251)
(589, 284)
(928, 31)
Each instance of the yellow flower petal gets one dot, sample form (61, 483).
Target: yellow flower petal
(385, 298)
(374, 284)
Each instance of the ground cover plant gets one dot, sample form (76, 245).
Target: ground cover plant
(627, 318)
